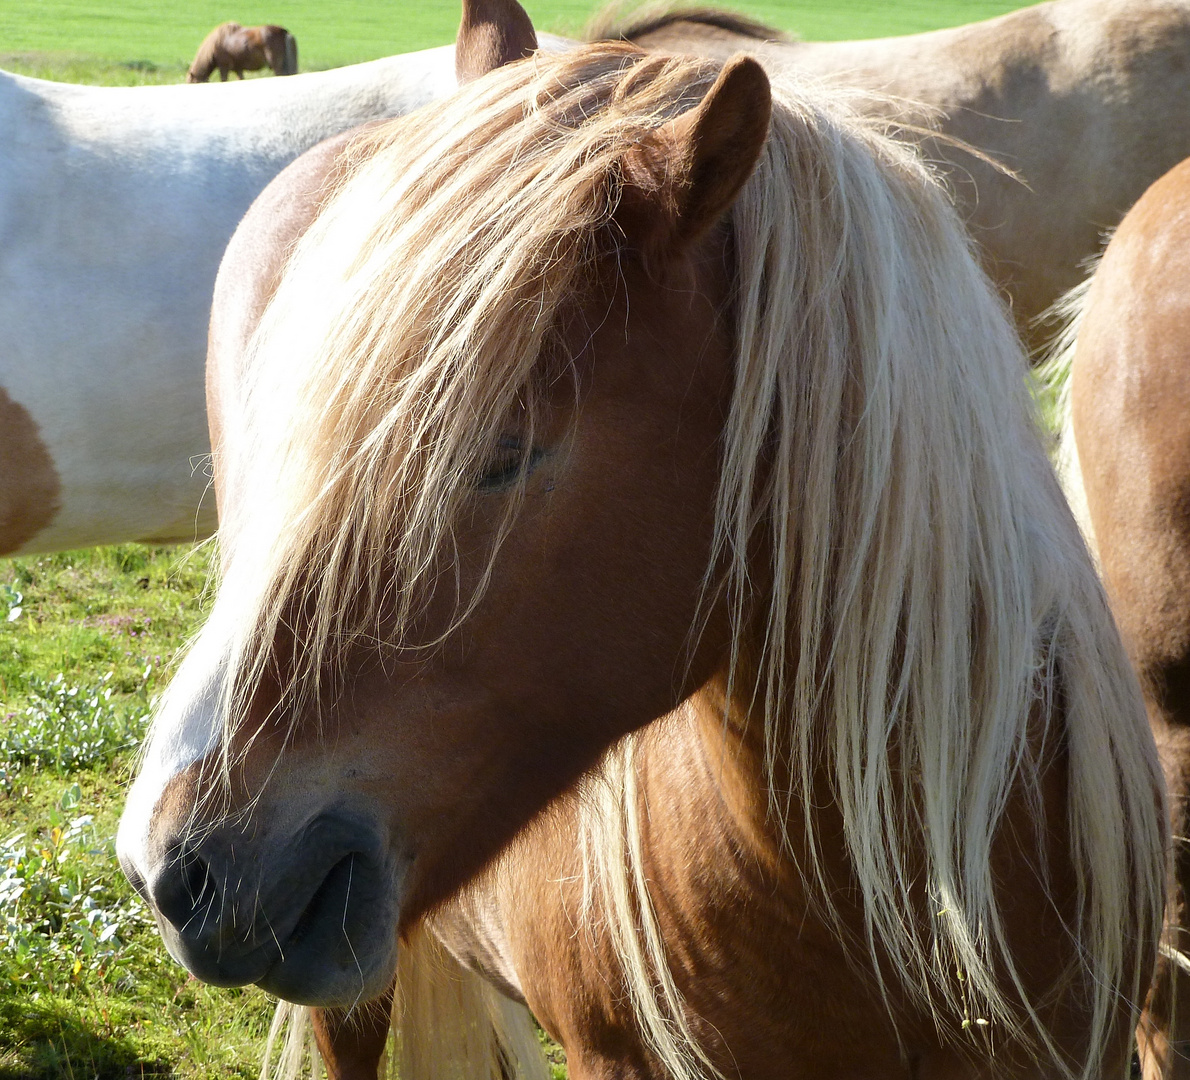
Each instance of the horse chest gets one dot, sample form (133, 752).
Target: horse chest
(766, 983)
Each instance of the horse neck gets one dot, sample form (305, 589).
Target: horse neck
(702, 772)
(740, 921)
(722, 882)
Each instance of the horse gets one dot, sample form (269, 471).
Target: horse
(645, 598)
(1128, 462)
(102, 428)
(232, 47)
(1047, 123)
(116, 206)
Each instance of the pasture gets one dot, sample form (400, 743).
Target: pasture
(87, 638)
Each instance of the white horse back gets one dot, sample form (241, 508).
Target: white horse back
(115, 207)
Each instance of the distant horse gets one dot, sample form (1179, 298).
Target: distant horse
(642, 578)
(232, 47)
(1130, 422)
(1083, 100)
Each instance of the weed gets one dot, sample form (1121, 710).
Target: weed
(11, 601)
(60, 924)
(86, 986)
(66, 726)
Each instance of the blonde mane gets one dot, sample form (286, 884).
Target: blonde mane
(930, 598)
(1053, 377)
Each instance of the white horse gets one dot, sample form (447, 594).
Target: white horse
(115, 207)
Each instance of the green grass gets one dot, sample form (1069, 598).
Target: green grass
(83, 614)
(86, 988)
(165, 36)
(83, 68)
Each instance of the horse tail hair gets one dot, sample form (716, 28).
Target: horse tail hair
(451, 1024)
(1052, 390)
(290, 66)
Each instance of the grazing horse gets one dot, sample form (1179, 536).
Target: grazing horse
(1083, 100)
(1129, 425)
(643, 583)
(232, 47)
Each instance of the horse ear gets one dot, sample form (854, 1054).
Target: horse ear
(492, 33)
(680, 181)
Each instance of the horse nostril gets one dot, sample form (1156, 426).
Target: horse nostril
(185, 888)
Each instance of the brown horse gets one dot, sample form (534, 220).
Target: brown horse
(1083, 100)
(643, 583)
(1130, 418)
(232, 47)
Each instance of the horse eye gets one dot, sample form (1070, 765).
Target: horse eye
(508, 464)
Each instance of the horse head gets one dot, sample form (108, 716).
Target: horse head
(490, 544)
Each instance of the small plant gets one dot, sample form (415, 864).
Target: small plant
(62, 919)
(66, 727)
(11, 602)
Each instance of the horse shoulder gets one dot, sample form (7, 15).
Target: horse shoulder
(1136, 57)
(1130, 397)
(1110, 82)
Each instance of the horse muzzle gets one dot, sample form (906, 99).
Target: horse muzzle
(309, 916)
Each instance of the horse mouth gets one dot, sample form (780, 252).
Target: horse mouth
(312, 919)
(323, 903)
(342, 948)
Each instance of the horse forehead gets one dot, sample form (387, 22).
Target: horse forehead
(680, 292)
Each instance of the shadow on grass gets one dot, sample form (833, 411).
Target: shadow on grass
(50, 1041)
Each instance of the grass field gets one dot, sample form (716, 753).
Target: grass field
(164, 36)
(86, 638)
(86, 989)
